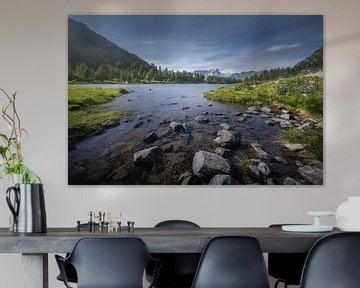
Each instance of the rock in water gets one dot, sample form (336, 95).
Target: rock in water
(149, 157)
(202, 119)
(206, 164)
(221, 179)
(264, 169)
(225, 126)
(177, 127)
(241, 119)
(312, 174)
(265, 109)
(227, 139)
(151, 137)
(294, 147)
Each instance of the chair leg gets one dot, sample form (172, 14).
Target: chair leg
(277, 283)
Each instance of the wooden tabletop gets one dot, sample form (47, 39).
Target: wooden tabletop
(158, 240)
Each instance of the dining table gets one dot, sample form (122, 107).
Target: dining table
(35, 247)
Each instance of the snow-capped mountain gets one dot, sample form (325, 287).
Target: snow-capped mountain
(217, 73)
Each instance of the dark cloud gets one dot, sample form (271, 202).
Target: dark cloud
(230, 43)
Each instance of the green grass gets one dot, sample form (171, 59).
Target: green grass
(312, 140)
(82, 124)
(81, 97)
(300, 94)
(84, 118)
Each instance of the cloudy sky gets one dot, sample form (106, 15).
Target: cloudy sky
(229, 43)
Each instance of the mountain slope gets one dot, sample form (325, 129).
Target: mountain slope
(314, 61)
(86, 46)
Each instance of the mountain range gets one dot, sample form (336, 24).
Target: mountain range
(217, 73)
(88, 47)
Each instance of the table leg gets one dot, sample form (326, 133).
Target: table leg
(35, 270)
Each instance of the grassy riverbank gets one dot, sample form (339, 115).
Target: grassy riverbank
(85, 118)
(302, 95)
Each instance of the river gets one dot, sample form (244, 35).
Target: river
(108, 158)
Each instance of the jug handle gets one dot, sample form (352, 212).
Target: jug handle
(13, 208)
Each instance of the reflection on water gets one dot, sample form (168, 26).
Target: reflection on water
(152, 106)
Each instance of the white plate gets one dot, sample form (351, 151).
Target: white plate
(321, 213)
(306, 228)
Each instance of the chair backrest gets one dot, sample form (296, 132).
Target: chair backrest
(177, 268)
(232, 262)
(110, 262)
(286, 266)
(176, 224)
(333, 262)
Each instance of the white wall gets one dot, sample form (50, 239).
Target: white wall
(33, 62)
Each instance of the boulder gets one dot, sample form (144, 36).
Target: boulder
(294, 147)
(247, 115)
(312, 174)
(265, 109)
(263, 115)
(241, 119)
(222, 152)
(291, 181)
(204, 113)
(150, 138)
(186, 107)
(227, 139)
(206, 164)
(149, 157)
(263, 168)
(238, 114)
(281, 159)
(177, 127)
(221, 179)
(252, 112)
(225, 126)
(287, 116)
(210, 104)
(202, 119)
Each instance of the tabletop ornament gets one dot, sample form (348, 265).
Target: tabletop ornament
(104, 222)
(25, 197)
(315, 227)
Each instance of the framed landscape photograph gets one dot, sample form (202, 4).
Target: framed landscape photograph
(195, 100)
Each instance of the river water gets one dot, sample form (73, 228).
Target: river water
(108, 158)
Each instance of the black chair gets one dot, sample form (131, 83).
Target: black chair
(333, 262)
(69, 269)
(108, 263)
(178, 269)
(232, 262)
(286, 267)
